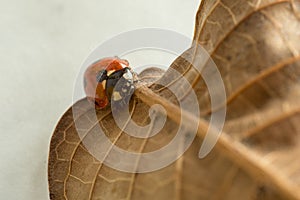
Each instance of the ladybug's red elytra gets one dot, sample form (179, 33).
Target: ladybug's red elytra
(100, 80)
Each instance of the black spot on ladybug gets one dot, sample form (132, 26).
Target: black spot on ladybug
(101, 75)
(96, 103)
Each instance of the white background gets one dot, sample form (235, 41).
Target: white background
(42, 46)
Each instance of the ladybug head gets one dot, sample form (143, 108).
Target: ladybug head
(101, 78)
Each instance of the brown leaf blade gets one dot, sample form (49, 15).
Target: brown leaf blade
(255, 44)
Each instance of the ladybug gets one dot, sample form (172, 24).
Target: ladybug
(108, 79)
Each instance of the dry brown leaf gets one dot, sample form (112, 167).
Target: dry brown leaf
(256, 46)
